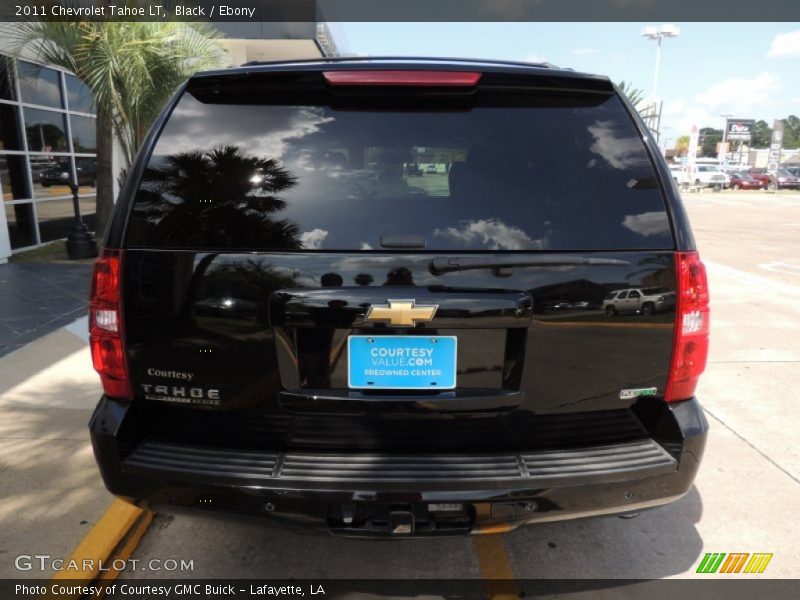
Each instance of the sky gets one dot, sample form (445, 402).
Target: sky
(749, 69)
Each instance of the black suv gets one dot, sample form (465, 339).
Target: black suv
(288, 320)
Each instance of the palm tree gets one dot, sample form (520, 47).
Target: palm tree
(635, 95)
(131, 68)
(649, 111)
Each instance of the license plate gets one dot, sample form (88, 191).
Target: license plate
(401, 362)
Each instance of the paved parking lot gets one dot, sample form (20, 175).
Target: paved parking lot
(746, 495)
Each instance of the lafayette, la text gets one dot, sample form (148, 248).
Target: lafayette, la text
(187, 590)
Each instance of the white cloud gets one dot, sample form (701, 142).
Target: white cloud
(739, 94)
(647, 224)
(674, 107)
(535, 58)
(585, 51)
(785, 45)
(619, 150)
(312, 240)
(492, 233)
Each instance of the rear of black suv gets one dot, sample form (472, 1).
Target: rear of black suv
(366, 297)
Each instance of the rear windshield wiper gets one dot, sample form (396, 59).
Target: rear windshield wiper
(447, 264)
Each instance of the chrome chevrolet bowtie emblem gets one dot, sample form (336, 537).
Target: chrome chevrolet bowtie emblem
(401, 313)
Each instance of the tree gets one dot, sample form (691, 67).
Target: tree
(682, 145)
(761, 135)
(635, 95)
(649, 111)
(791, 132)
(708, 140)
(131, 68)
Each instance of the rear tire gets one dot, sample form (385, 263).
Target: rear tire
(611, 311)
(736, 187)
(648, 309)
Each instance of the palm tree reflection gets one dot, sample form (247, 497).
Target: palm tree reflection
(219, 197)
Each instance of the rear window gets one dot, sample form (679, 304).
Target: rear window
(541, 172)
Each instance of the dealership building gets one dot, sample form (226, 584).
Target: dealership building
(47, 128)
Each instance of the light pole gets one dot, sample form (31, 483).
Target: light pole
(656, 33)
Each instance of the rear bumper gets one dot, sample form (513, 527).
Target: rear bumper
(361, 493)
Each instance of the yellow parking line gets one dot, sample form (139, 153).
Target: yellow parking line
(495, 567)
(114, 536)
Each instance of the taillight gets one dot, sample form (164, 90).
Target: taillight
(690, 344)
(105, 325)
(403, 78)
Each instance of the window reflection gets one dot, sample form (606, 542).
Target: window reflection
(12, 177)
(45, 130)
(7, 91)
(86, 169)
(39, 85)
(52, 176)
(79, 96)
(57, 217)
(84, 134)
(219, 198)
(495, 177)
(9, 133)
(39, 179)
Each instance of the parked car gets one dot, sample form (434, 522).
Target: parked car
(710, 176)
(645, 301)
(787, 180)
(344, 357)
(431, 169)
(782, 179)
(678, 174)
(60, 174)
(761, 176)
(742, 181)
(793, 169)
